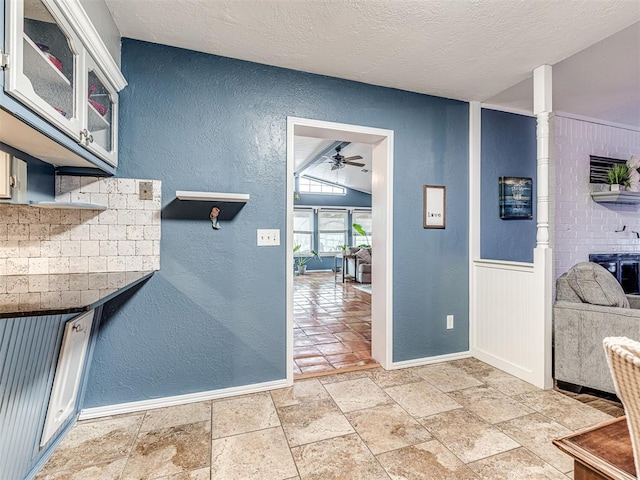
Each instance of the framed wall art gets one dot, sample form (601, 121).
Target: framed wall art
(435, 206)
(516, 197)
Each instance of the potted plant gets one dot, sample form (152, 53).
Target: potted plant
(618, 174)
(301, 261)
(361, 231)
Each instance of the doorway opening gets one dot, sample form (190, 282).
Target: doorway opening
(327, 137)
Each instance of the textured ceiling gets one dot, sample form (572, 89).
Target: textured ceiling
(464, 49)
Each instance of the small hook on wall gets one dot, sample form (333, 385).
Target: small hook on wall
(213, 216)
(624, 227)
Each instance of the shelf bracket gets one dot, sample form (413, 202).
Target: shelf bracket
(4, 60)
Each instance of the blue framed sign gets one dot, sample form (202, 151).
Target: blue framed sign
(516, 197)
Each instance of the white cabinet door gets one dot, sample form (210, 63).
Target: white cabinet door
(101, 113)
(45, 67)
(5, 175)
(68, 374)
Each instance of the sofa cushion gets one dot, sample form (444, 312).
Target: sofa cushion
(564, 292)
(595, 285)
(363, 255)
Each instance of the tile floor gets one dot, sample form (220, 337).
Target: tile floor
(332, 324)
(457, 420)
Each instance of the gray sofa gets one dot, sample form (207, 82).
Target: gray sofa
(590, 305)
(361, 264)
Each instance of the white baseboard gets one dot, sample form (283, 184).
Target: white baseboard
(429, 360)
(130, 407)
(505, 366)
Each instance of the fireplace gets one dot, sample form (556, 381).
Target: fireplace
(624, 266)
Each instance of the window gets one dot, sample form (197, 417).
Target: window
(303, 229)
(308, 185)
(363, 218)
(332, 231)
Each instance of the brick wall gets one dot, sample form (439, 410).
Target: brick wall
(125, 237)
(582, 226)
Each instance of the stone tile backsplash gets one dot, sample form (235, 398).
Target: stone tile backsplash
(125, 237)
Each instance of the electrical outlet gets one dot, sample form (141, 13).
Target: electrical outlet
(145, 190)
(449, 322)
(268, 238)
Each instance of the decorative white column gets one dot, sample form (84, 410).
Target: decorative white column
(542, 107)
(542, 255)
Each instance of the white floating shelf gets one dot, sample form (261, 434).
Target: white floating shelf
(69, 205)
(212, 196)
(616, 197)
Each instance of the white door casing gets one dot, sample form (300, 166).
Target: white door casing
(382, 204)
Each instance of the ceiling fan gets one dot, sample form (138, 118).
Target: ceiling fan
(339, 161)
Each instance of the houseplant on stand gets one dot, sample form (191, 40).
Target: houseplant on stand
(361, 231)
(300, 263)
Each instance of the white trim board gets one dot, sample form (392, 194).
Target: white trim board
(131, 407)
(430, 360)
(504, 365)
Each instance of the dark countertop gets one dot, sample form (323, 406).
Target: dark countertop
(35, 295)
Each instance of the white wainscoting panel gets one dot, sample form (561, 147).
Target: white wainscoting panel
(504, 323)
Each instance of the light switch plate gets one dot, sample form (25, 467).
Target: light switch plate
(145, 190)
(268, 237)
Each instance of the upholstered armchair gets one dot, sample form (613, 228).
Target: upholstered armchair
(590, 305)
(623, 355)
(363, 265)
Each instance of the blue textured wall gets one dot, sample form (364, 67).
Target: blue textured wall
(214, 316)
(509, 150)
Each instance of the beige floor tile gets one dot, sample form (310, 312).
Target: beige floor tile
(505, 383)
(536, 432)
(243, 414)
(177, 415)
(357, 394)
(169, 451)
(467, 436)
(257, 455)
(518, 464)
(391, 378)
(564, 410)
(338, 458)
(314, 421)
(95, 441)
(344, 377)
(302, 391)
(490, 404)
(387, 427)
(425, 461)
(421, 399)
(472, 366)
(200, 474)
(103, 471)
(446, 377)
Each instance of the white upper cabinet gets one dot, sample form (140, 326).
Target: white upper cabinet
(101, 114)
(59, 68)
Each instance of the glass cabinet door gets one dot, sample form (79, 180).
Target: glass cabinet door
(101, 104)
(43, 70)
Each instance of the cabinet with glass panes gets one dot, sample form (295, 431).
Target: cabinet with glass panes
(51, 71)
